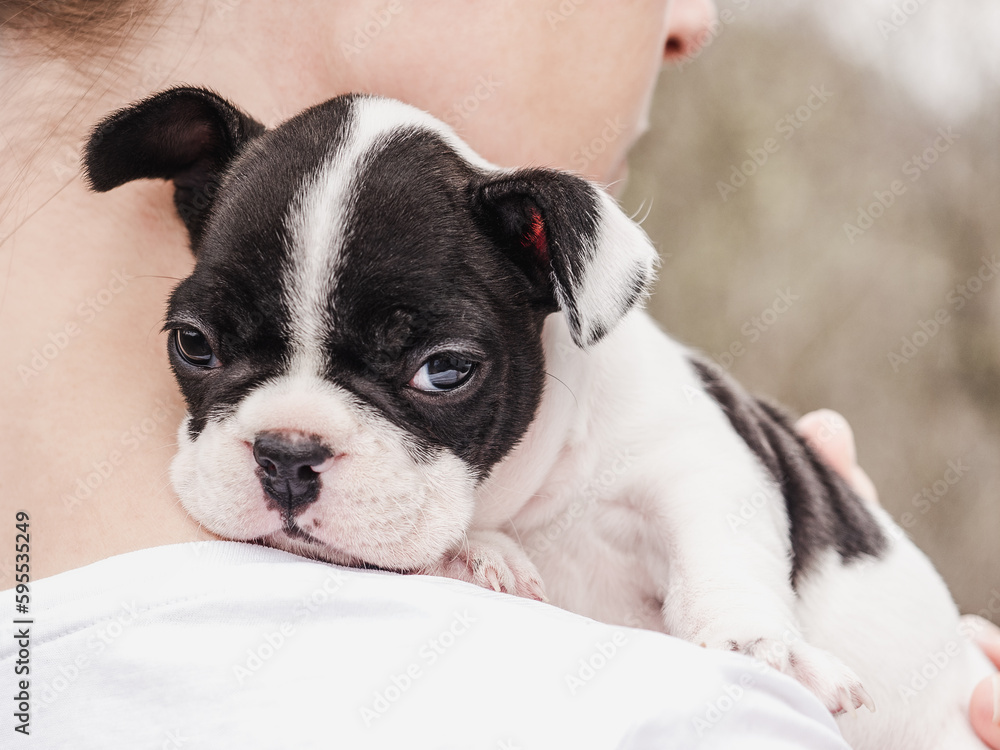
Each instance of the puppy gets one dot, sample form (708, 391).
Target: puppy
(397, 355)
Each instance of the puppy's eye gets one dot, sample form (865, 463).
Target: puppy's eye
(194, 347)
(442, 372)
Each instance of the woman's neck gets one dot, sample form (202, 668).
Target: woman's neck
(89, 407)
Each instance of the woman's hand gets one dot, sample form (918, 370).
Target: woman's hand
(831, 436)
(985, 708)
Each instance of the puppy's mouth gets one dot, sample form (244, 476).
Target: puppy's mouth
(303, 542)
(321, 550)
(294, 531)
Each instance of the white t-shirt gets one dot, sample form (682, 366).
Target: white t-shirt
(227, 645)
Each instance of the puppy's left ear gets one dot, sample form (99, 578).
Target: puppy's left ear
(573, 240)
(187, 135)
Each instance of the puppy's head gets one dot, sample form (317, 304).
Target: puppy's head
(359, 343)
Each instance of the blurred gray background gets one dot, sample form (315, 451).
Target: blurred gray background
(849, 93)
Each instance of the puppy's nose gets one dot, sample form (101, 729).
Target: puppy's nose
(289, 462)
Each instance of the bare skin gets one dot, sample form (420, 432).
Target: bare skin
(985, 708)
(88, 404)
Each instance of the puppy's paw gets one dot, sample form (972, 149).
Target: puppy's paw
(492, 560)
(832, 681)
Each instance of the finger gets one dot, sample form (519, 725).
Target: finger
(862, 484)
(830, 435)
(985, 711)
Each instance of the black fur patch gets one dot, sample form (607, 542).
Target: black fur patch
(823, 511)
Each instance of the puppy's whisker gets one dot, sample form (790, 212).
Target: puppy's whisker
(463, 547)
(466, 545)
(645, 216)
(638, 211)
(403, 511)
(563, 384)
(607, 186)
(499, 486)
(513, 528)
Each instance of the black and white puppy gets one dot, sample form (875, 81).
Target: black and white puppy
(398, 355)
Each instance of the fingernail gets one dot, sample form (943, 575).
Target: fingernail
(835, 425)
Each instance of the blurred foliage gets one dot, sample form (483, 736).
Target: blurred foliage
(726, 260)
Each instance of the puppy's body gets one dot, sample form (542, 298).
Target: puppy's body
(607, 545)
(395, 354)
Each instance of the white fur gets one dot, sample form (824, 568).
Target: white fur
(888, 619)
(316, 227)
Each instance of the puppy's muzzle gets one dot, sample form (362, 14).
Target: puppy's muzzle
(291, 465)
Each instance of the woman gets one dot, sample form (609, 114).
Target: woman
(86, 442)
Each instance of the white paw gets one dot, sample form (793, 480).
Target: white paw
(494, 561)
(832, 681)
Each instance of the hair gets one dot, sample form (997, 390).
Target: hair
(74, 30)
(84, 47)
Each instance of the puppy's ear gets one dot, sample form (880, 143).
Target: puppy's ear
(188, 135)
(572, 239)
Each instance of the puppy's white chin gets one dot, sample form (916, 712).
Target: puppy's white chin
(317, 550)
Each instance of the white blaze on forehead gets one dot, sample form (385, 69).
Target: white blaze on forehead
(319, 215)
